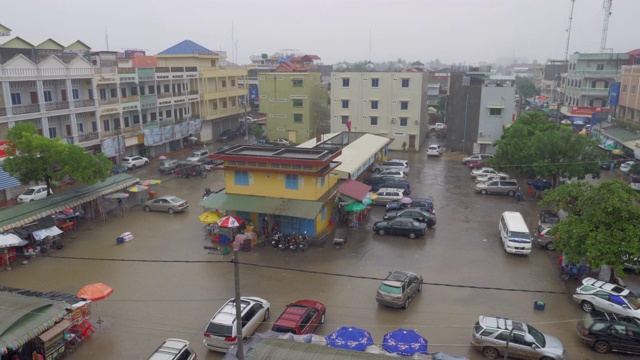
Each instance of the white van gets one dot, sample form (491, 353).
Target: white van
(174, 349)
(514, 233)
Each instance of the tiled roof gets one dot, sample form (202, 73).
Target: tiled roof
(186, 47)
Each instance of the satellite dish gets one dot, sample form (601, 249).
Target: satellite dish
(340, 67)
(370, 67)
(399, 67)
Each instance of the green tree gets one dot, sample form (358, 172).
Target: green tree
(441, 106)
(34, 158)
(525, 86)
(256, 130)
(534, 145)
(602, 225)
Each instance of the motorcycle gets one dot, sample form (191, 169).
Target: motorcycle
(275, 240)
(206, 193)
(574, 272)
(293, 243)
(304, 242)
(283, 245)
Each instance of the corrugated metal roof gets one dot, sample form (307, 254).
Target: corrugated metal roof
(256, 204)
(19, 215)
(619, 134)
(7, 181)
(354, 189)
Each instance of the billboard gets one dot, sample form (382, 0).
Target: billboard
(614, 93)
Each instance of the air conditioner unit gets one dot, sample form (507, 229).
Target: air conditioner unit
(417, 122)
(393, 120)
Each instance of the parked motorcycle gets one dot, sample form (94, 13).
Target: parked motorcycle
(293, 243)
(304, 242)
(284, 244)
(574, 272)
(276, 239)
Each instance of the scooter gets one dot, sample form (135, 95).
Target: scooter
(283, 245)
(276, 240)
(293, 243)
(304, 242)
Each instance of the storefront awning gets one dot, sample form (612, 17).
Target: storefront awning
(256, 204)
(20, 215)
(619, 135)
(41, 234)
(354, 189)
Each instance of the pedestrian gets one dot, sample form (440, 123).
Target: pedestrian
(265, 227)
(519, 195)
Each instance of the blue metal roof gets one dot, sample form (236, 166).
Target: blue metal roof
(7, 181)
(187, 47)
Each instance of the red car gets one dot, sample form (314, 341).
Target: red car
(300, 318)
(477, 164)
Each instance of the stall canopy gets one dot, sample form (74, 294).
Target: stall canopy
(354, 189)
(287, 349)
(256, 204)
(20, 215)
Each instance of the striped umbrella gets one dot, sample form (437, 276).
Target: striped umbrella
(137, 188)
(149, 182)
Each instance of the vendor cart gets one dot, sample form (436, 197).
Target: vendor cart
(339, 238)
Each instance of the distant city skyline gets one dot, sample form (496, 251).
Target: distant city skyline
(454, 31)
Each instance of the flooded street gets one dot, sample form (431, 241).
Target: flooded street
(167, 285)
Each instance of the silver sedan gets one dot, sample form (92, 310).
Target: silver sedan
(170, 204)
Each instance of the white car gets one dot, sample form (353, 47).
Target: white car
(220, 333)
(434, 150)
(132, 162)
(199, 155)
(248, 120)
(487, 177)
(484, 171)
(33, 193)
(400, 174)
(594, 294)
(626, 166)
(281, 141)
(476, 157)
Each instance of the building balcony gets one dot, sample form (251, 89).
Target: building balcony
(165, 95)
(594, 74)
(124, 70)
(128, 99)
(132, 129)
(111, 101)
(88, 137)
(36, 73)
(53, 106)
(163, 69)
(594, 91)
(193, 92)
(83, 103)
(25, 109)
(3, 111)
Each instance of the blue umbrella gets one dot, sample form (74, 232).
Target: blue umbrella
(350, 338)
(404, 342)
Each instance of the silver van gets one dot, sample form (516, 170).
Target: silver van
(386, 195)
(514, 233)
(174, 349)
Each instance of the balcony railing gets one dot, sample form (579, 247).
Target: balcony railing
(126, 70)
(61, 105)
(594, 91)
(131, 129)
(133, 98)
(165, 95)
(25, 109)
(3, 111)
(88, 137)
(83, 103)
(193, 92)
(164, 69)
(110, 101)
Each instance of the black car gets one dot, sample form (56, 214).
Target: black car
(415, 214)
(226, 135)
(379, 179)
(241, 130)
(400, 226)
(422, 204)
(540, 184)
(605, 332)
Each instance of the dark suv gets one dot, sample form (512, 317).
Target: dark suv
(605, 332)
(422, 204)
(301, 318)
(226, 135)
(398, 289)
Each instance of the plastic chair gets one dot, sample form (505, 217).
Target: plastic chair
(86, 329)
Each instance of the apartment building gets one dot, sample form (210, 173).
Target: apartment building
(547, 78)
(629, 98)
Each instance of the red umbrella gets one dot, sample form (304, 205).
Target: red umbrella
(94, 292)
(230, 221)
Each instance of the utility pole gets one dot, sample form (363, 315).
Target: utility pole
(605, 24)
(566, 51)
(236, 276)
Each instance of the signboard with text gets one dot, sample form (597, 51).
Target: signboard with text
(587, 110)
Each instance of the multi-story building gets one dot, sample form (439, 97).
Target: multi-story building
(294, 101)
(629, 97)
(548, 78)
(589, 78)
(479, 108)
(390, 104)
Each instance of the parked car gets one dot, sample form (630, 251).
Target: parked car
(401, 175)
(438, 127)
(391, 165)
(595, 294)
(220, 333)
(33, 193)
(226, 136)
(380, 179)
(386, 195)
(132, 162)
(211, 163)
(488, 177)
(170, 204)
(606, 165)
(548, 218)
(434, 150)
(540, 184)
(605, 332)
(400, 226)
(476, 164)
(301, 317)
(398, 289)
(417, 203)
(248, 120)
(174, 349)
(394, 184)
(281, 142)
(485, 171)
(240, 130)
(167, 166)
(505, 187)
(199, 155)
(545, 239)
(262, 142)
(476, 157)
(490, 335)
(412, 213)
(626, 166)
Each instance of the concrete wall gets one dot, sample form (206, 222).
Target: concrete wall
(460, 135)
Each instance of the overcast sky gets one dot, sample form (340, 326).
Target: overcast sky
(456, 31)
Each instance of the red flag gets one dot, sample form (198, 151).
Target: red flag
(349, 125)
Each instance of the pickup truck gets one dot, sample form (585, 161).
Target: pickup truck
(437, 127)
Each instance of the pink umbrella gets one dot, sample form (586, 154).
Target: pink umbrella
(230, 221)
(406, 200)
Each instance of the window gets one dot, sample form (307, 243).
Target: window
(297, 118)
(103, 94)
(297, 103)
(80, 128)
(152, 116)
(47, 96)
(233, 83)
(105, 125)
(624, 90)
(167, 114)
(374, 121)
(75, 94)
(375, 82)
(634, 88)
(114, 93)
(345, 119)
(495, 112)
(404, 105)
(15, 99)
(374, 104)
(224, 83)
(345, 82)
(322, 181)
(53, 133)
(323, 212)
(291, 182)
(94, 126)
(297, 83)
(123, 92)
(166, 88)
(404, 121)
(600, 67)
(152, 89)
(345, 104)
(405, 83)
(241, 178)
(90, 93)
(142, 90)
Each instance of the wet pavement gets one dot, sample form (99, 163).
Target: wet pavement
(167, 285)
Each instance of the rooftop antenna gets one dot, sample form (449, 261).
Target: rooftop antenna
(566, 51)
(106, 37)
(369, 44)
(606, 5)
(233, 42)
